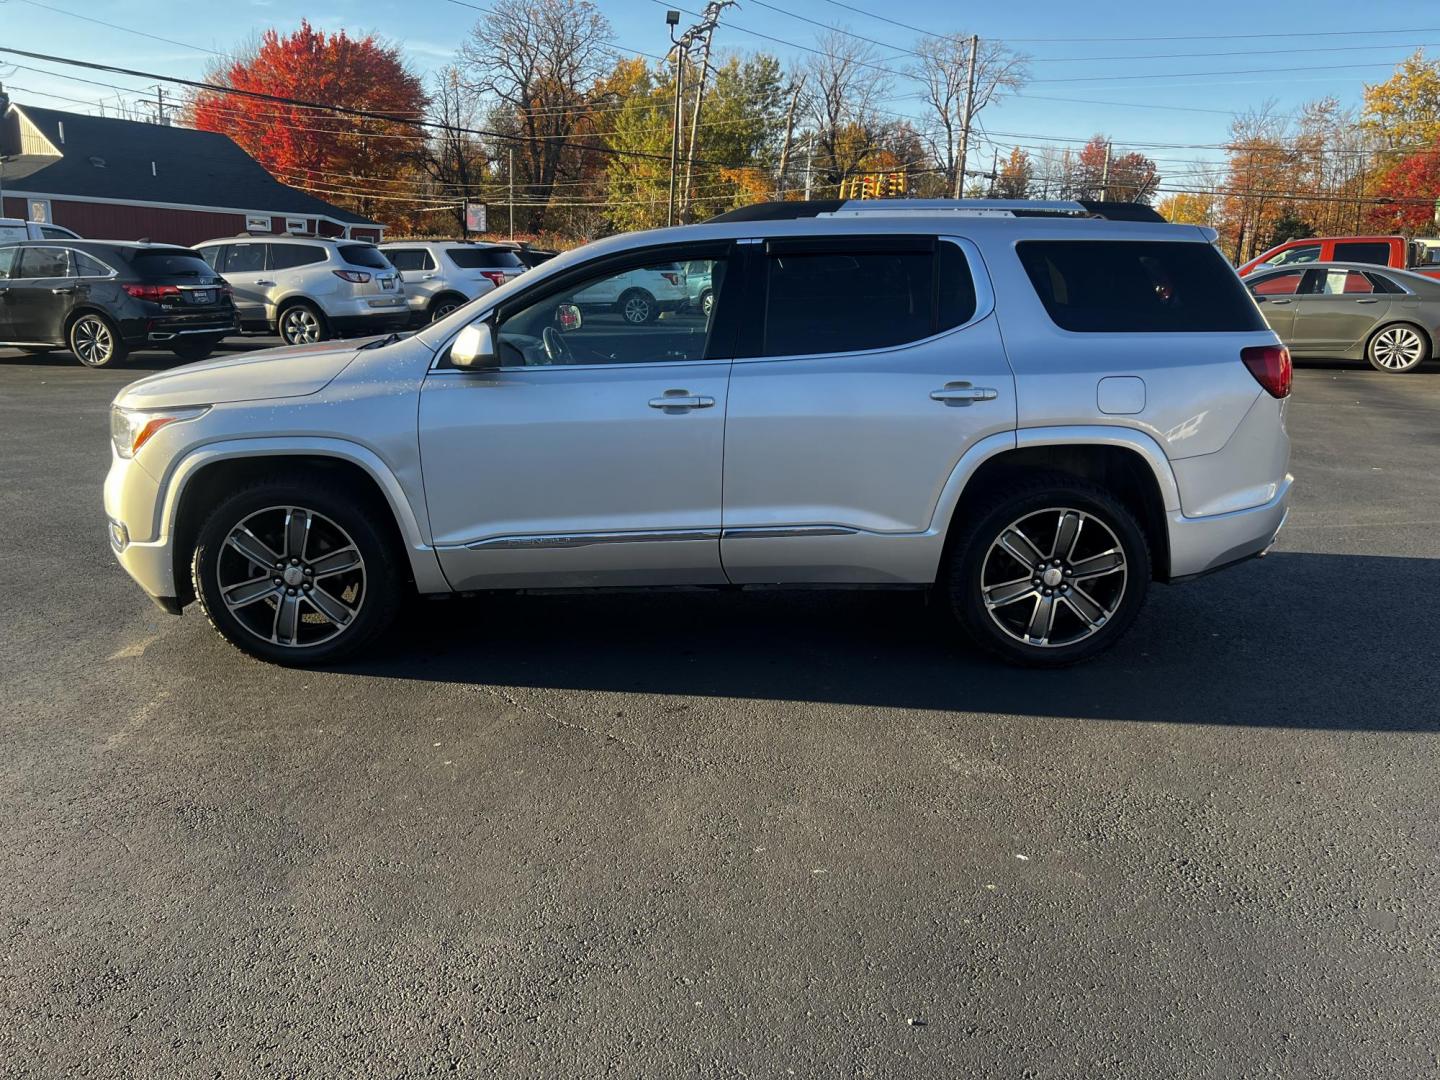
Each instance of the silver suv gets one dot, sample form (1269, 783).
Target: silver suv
(1034, 415)
(440, 275)
(308, 289)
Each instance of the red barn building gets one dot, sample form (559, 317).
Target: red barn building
(113, 179)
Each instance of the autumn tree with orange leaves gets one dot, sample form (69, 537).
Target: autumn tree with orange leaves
(365, 165)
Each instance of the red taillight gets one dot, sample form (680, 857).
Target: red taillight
(1270, 364)
(671, 277)
(355, 277)
(495, 277)
(156, 294)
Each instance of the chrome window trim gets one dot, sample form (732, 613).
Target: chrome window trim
(577, 540)
(540, 541)
(111, 272)
(984, 307)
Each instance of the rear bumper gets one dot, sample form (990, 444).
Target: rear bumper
(378, 322)
(1202, 545)
(171, 328)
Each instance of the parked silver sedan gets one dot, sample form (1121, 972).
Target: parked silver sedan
(1352, 311)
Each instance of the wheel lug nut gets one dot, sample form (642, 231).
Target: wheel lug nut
(290, 592)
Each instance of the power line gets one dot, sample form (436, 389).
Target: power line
(122, 29)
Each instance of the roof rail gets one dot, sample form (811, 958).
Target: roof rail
(1080, 208)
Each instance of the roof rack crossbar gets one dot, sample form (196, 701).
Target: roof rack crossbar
(1076, 208)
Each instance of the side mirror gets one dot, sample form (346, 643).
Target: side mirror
(567, 318)
(474, 348)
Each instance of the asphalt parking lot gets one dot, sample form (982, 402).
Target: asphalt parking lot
(730, 835)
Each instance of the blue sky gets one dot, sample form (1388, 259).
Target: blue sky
(1093, 69)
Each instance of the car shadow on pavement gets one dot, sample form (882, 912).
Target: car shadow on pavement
(1294, 640)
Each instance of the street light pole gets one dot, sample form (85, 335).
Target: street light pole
(672, 20)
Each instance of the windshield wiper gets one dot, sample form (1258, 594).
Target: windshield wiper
(380, 343)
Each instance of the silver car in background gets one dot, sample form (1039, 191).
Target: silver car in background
(1352, 311)
(849, 415)
(441, 275)
(308, 289)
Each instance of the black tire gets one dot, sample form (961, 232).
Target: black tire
(1397, 348)
(192, 349)
(444, 304)
(301, 323)
(373, 602)
(1001, 620)
(637, 307)
(95, 341)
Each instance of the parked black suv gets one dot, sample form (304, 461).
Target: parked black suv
(100, 299)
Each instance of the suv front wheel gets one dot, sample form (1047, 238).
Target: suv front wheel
(295, 573)
(1050, 573)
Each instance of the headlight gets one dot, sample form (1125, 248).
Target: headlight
(131, 429)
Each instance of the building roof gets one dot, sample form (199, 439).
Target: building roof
(104, 157)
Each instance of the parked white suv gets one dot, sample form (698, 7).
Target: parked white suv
(637, 296)
(1033, 416)
(439, 276)
(308, 289)
(14, 229)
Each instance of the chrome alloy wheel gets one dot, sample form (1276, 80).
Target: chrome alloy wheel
(300, 326)
(291, 577)
(1397, 348)
(636, 310)
(93, 341)
(1054, 577)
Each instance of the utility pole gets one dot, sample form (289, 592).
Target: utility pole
(994, 171)
(789, 133)
(965, 127)
(1105, 175)
(705, 29)
(809, 163)
(161, 117)
(511, 173)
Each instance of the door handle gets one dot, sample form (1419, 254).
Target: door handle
(65, 291)
(1367, 301)
(264, 283)
(678, 401)
(962, 393)
(1281, 300)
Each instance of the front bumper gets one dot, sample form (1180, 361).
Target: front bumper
(131, 510)
(1201, 545)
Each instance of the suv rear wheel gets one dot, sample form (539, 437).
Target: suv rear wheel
(95, 341)
(295, 573)
(638, 307)
(302, 324)
(1050, 573)
(195, 348)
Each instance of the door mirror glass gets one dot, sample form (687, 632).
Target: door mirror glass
(567, 317)
(474, 348)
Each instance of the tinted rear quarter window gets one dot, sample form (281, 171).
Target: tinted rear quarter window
(365, 255)
(289, 256)
(174, 262)
(1376, 254)
(1138, 286)
(470, 258)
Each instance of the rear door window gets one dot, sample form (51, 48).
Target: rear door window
(410, 259)
(89, 266)
(824, 296)
(473, 258)
(1375, 253)
(44, 262)
(1138, 286)
(244, 259)
(213, 256)
(7, 261)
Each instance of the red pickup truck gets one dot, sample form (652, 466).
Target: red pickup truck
(1420, 255)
